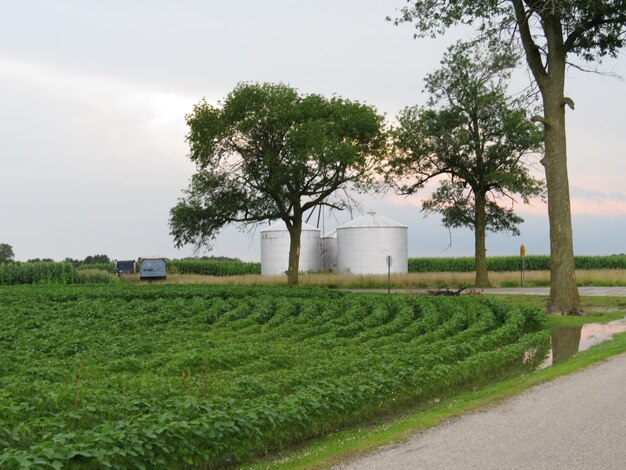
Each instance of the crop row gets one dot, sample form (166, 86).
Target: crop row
(108, 267)
(511, 263)
(37, 273)
(65, 273)
(213, 267)
(416, 265)
(131, 376)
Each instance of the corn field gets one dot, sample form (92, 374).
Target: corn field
(213, 268)
(511, 263)
(37, 273)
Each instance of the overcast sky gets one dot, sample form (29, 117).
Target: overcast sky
(93, 96)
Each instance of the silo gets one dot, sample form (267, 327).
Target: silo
(275, 249)
(363, 245)
(329, 252)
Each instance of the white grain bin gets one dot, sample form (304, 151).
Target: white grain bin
(363, 245)
(275, 249)
(329, 252)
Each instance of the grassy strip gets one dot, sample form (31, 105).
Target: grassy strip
(597, 309)
(346, 445)
(605, 278)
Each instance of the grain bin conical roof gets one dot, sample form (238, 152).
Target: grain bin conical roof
(372, 219)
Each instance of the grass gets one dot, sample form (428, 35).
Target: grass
(605, 277)
(596, 309)
(346, 445)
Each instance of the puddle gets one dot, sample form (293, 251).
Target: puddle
(568, 340)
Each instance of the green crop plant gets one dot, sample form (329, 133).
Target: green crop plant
(108, 267)
(166, 376)
(37, 273)
(512, 263)
(214, 268)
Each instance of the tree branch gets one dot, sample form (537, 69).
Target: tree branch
(533, 56)
(574, 36)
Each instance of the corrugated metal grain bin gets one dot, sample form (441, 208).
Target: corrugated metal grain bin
(329, 251)
(364, 244)
(275, 249)
(152, 268)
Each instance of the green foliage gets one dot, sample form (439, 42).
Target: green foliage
(96, 259)
(37, 273)
(473, 136)
(6, 253)
(211, 258)
(548, 34)
(95, 276)
(590, 30)
(163, 376)
(104, 266)
(268, 153)
(214, 267)
(511, 263)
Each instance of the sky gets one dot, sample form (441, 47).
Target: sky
(93, 97)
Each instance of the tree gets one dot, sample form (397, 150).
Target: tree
(548, 32)
(94, 259)
(472, 139)
(6, 253)
(268, 153)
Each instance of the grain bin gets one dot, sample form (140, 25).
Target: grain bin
(275, 249)
(329, 251)
(363, 245)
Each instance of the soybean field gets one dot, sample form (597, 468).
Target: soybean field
(167, 376)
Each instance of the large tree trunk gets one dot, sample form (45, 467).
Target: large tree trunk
(550, 77)
(295, 232)
(564, 297)
(480, 250)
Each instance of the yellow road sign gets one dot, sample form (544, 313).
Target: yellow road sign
(522, 251)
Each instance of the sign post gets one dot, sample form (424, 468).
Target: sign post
(522, 254)
(389, 261)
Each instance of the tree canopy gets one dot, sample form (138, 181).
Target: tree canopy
(590, 29)
(6, 253)
(269, 153)
(472, 139)
(547, 32)
(93, 259)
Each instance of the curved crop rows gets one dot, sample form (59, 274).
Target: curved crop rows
(128, 376)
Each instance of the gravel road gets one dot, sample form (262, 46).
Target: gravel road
(574, 422)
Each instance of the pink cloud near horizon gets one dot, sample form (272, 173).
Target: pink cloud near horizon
(583, 202)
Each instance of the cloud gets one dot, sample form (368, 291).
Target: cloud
(66, 123)
(584, 201)
(597, 203)
(595, 195)
(105, 95)
(535, 207)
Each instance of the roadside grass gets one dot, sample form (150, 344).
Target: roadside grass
(603, 277)
(343, 446)
(596, 309)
